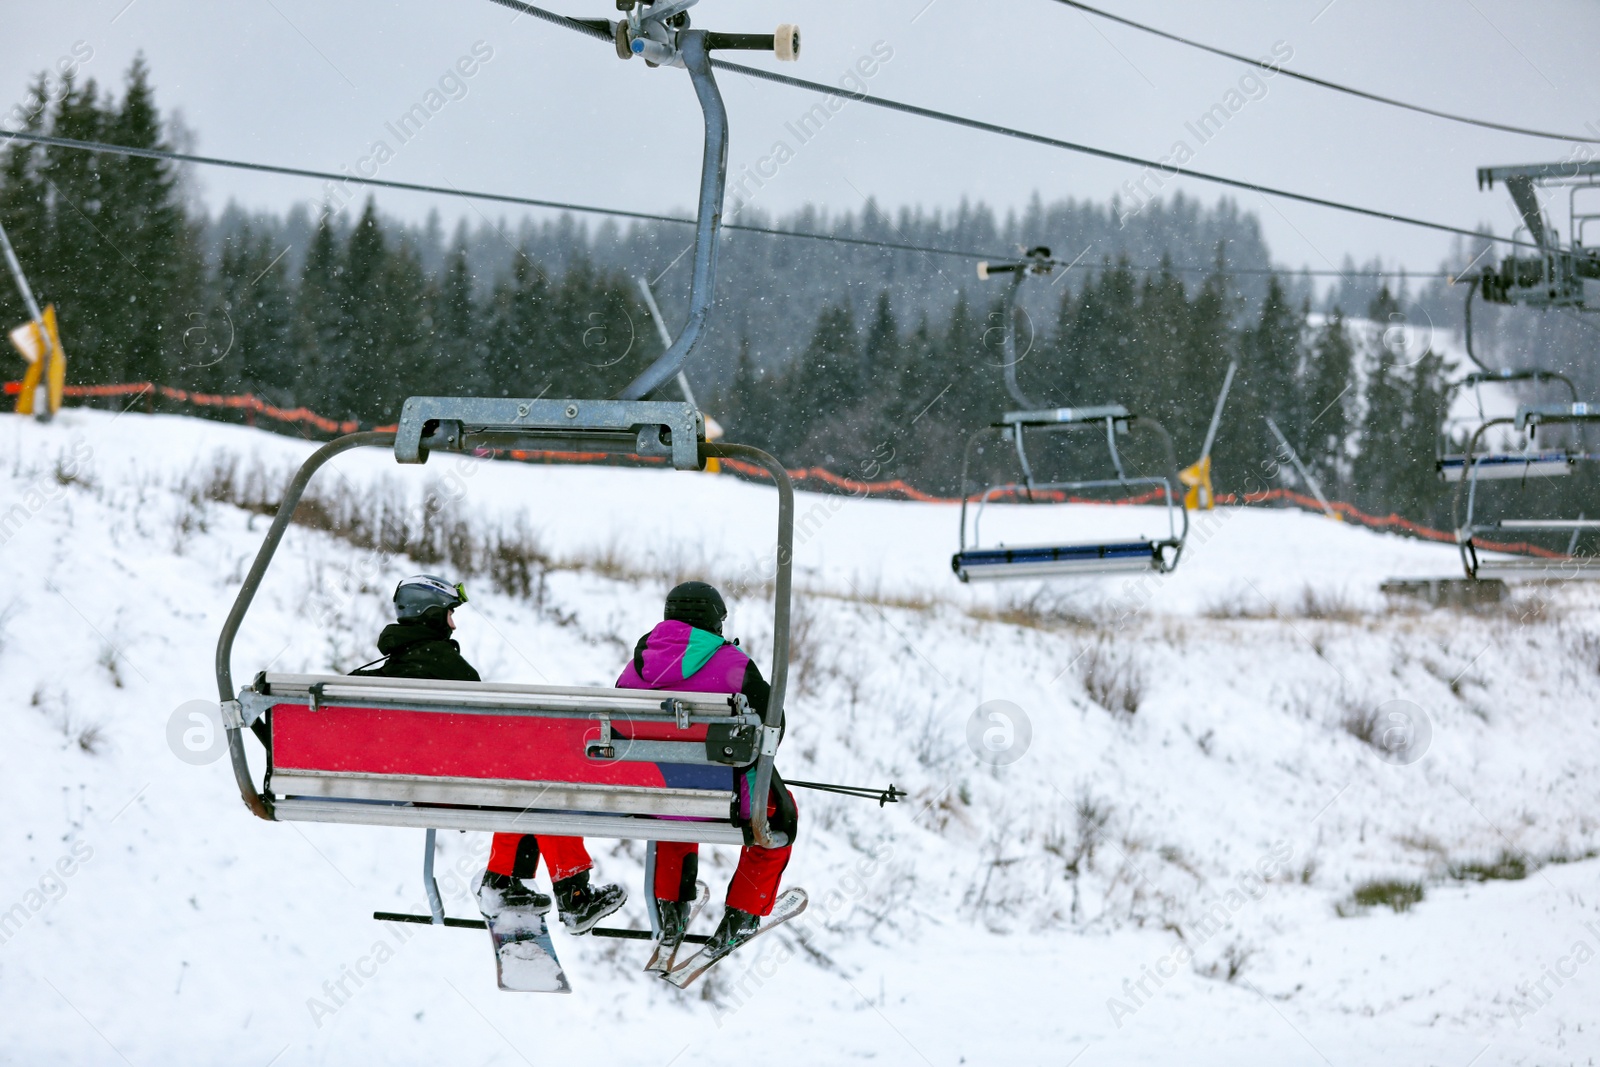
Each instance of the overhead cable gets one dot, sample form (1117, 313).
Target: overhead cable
(1275, 68)
(1172, 170)
(105, 148)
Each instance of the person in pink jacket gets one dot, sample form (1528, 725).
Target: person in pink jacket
(686, 651)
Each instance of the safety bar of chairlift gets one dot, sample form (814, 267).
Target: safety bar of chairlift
(260, 803)
(1539, 414)
(1064, 416)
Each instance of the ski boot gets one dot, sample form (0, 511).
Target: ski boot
(499, 893)
(735, 929)
(674, 924)
(582, 907)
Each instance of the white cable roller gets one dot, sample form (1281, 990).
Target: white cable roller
(983, 269)
(786, 42)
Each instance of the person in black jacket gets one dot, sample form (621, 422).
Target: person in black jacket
(418, 645)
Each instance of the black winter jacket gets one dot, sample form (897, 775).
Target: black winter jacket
(420, 649)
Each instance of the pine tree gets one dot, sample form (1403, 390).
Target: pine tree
(825, 383)
(82, 269)
(255, 284)
(365, 318)
(457, 364)
(1270, 354)
(319, 322)
(23, 213)
(1382, 409)
(1327, 385)
(155, 270)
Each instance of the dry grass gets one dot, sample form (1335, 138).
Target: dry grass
(384, 518)
(1323, 605)
(1041, 610)
(1114, 680)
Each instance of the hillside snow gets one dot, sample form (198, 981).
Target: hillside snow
(1169, 862)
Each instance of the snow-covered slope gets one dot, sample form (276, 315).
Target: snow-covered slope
(1162, 867)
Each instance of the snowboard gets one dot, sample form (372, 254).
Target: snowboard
(790, 903)
(524, 957)
(657, 965)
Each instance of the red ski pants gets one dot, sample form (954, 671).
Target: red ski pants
(518, 855)
(755, 880)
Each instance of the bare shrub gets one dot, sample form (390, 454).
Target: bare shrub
(1040, 610)
(1115, 681)
(1361, 723)
(384, 518)
(68, 471)
(804, 650)
(1237, 605)
(1327, 605)
(108, 658)
(1230, 964)
(91, 739)
(1396, 895)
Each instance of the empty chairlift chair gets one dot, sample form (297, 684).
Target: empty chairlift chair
(1497, 462)
(975, 562)
(1069, 556)
(1472, 529)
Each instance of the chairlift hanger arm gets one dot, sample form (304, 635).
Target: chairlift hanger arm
(659, 34)
(1038, 261)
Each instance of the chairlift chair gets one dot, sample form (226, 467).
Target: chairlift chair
(1082, 558)
(976, 562)
(590, 761)
(1498, 462)
(1470, 529)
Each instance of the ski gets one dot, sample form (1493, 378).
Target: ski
(790, 903)
(657, 965)
(524, 957)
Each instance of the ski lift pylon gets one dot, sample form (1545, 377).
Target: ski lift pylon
(592, 761)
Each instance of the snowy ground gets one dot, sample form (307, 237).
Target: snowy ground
(1166, 867)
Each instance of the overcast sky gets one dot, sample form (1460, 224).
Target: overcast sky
(552, 114)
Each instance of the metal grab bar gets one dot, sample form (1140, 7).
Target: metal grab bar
(258, 803)
(763, 834)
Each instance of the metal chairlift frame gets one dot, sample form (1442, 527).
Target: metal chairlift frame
(1529, 418)
(1023, 561)
(1452, 465)
(1556, 276)
(1081, 558)
(719, 730)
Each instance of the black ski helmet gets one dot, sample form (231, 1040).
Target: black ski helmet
(419, 594)
(698, 604)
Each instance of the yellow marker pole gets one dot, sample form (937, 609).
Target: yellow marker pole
(40, 346)
(55, 375)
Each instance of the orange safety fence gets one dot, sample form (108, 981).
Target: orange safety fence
(895, 488)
